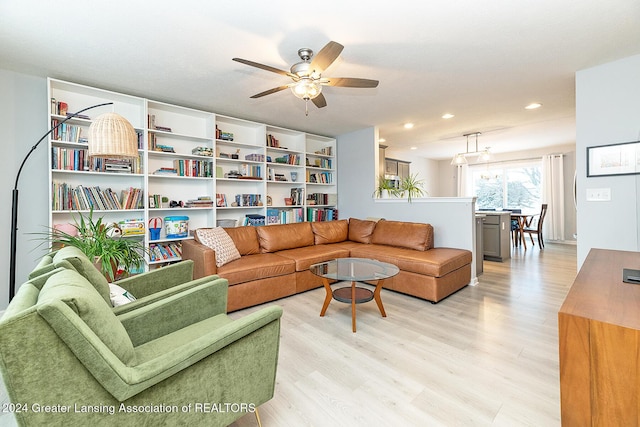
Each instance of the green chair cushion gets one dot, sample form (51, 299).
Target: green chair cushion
(85, 267)
(74, 290)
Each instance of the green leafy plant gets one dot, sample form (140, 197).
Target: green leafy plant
(412, 187)
(384, 185)
(95, 239)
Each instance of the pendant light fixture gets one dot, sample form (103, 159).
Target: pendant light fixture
(461, 158)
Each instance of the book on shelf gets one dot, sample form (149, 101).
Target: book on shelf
(221, 200)
(321, 214)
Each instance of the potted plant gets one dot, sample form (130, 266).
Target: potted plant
(102, 243)
(384, 189)
(411, 186)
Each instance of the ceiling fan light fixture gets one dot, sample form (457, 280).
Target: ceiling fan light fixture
(306, 88)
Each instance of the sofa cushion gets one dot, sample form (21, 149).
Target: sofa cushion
(410, 235)
(255, 267)
(245, 238)
(217, 239)
(360, 230)
(330, 231)
(74, 290)
(85, 267)
(279, 237)
(306, 256)
(436, 262)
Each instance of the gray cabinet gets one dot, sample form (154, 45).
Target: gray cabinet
(396, 167)
(496, 232)
(403, 170)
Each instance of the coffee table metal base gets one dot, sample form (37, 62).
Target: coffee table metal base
(352, 295)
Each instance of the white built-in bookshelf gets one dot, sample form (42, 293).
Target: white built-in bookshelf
(213, 169)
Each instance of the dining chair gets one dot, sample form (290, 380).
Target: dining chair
(515, 227)
(534, 226)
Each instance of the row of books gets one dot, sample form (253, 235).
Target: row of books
(67, 132)
(200, 202)
(319, 177)
(321, 163)
(327, 151)
(248, 199)
(297, 196)
(322, 199)
(321, 214)
(272, 141)
(250, 170)
(165, 251)
(78, 160)
(67, 197)
(284, 216)
(200, 168)
(289, 159)
(254, 157)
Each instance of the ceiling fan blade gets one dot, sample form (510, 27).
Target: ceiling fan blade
(319, 101)
(326, 56)
(265, 67)
(270, 91)
(351, 82)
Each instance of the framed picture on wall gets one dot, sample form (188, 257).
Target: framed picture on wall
(614, 159)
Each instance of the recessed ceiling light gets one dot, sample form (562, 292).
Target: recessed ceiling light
(448, 116)
(408, 125)
(533, 106)
(382, 140)
(414, 148)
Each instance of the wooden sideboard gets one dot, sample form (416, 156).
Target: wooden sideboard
(599, 334)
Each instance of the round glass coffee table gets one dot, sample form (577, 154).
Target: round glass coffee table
(354, 270)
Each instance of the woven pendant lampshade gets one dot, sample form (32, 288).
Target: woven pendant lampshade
(111, 135)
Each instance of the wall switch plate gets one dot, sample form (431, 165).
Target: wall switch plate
(598, 194)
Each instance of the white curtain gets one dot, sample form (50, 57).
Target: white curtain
(463, 171)
(553, 196)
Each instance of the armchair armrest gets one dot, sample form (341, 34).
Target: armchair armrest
(141, 302)
(142, 285)
(203, 257)
(177, 311)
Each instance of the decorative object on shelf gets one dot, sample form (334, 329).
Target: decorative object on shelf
(110, 135)
(92, 237)
(155, 226)
(176, 227)
(461, 158)
(294, 176)
(307, 75)
(288, 201)
(411, 186)
(269, 201)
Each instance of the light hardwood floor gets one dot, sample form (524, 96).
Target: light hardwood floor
(485, 356)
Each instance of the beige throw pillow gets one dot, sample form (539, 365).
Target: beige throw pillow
(218, 240)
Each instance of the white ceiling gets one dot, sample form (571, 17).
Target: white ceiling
(480, 60)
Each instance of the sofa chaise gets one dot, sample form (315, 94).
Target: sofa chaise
(272, 261)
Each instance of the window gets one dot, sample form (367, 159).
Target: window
(508, 185)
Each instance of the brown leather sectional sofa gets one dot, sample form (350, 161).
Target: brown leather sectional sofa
(275, 259)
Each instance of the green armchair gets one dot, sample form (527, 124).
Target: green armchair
(67, 359)
(146, 287)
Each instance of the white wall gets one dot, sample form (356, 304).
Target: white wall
(607, 112)
(23, 120)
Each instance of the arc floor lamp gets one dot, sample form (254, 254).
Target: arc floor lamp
(110, 135)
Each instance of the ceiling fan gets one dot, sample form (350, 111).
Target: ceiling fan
(307, 75)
